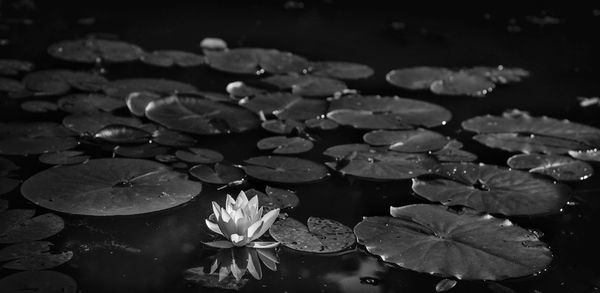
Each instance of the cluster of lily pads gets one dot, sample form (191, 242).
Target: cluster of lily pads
(155, 127)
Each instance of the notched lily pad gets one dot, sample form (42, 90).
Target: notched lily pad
(319, 236)
(321, 123)
(282, 126)
(463, 244)
(285, 106)
(493, 189)
(558, 167)
(38, 281)
(285, 145)
(20, 225)
(275, 198)
(219, 174)
(34, 255)
(284, 169)
(119, 187)
(409, 141)
(95, 50)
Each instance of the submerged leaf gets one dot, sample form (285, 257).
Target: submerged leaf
(34, 138)
(416, 78)
(341, 70)
(89, 103)
(63, 158)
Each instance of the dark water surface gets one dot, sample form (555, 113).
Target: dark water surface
(149, 253)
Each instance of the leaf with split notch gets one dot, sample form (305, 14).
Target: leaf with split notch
(319, 236)
(493, 189)
(321, 123)
(558, 167)
(220, 174)
(284, 169)
(452, 152)
(285, 145)
(34, 255)
(275, 198)
(463, 244)
(19, 225)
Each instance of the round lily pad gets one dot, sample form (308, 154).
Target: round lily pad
(172, 138)
(462, 83)
(95, 50)
(39, 282)
(307, 85)
(321, 123)
(493, 189)
(8, 184)
(274, 198)
(528, 143)
(57, 82)
(320, 235)
(122, 134)
(592, 155)
(122, 88)
(137, 102)
(200, 116)
(89, 103)
(558, 167)
(251, 60)
(285, 106)
(284, 169)
(282, 126)
(14, 66)
(463, 244)
(410, 141)
(416, 78)
(37, 106)
(92, 123)
(34, 255)
(34, 138)
(401, 111)
(149, 150)
(167, 58)
(19, 225)
(341, 70)
(220, 174)
(63, 158)
(285, 145)
(365, 162)
(199, 156)
(110, 187)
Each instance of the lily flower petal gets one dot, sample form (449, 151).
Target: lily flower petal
(219, 244)
(262, 244)
(225, 216)
(268, 220)
(213, 227)
(254, 229)
(214, 266)
(216, 208)
(254, 266)
(223, 273)
(241, 201)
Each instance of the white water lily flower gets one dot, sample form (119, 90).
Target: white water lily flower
(241, 222)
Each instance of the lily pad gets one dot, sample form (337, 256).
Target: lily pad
(57, 82)
(39, 282)
(306, 85)
(239, 89)
(220, 174)
(499, 74)
(89, 103)
(416, 78)
(199, 156)
(465, 244)
(452, 152)
(63, 158)
(558, 167)
(110, 187)
(8, 184)
(149, 150)
(251, 60)
(529, 143)
(319, 236)
(285, 145)
(172, 138)
(7, 166)
(321, 123)
(284, 169)
(398, 111)
(592, 155)
(282, 126)
(19, 225)
(200, 116)
(37, 106)
(122, 134)
(34, 255)
(493, 189)
(365, 162)
(285, 106)
(462, 83)
(122, 88)
(95, 50)
(168, 58)
(408, 141)
(92, 123)
(274, 198)
(14, 66)
(137, 102)
(10, 85)
(341, 70)
(34, 138)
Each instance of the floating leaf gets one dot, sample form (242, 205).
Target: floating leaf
(341, 70)
(10, 85)
(14, 66)
(285, 145)
(95, 50)
(321, 123)
(34, 255)
(493, 189)
(122, 88)
(557, 167)
(3, 205)
(119, 187)
(416, 78)
(92, 123)
(8, 184)
(172, 138)
(7, 166)
(307, 85)
(38, 281)
(499, 74)
(362, 161)
(592, 155)
(220, 174)
(282, 126)
(410, 141)
(529, 143)
(168, 58)
(138, 101)
(122, 134)
(391, 111)
(148, 150)
(465, 244)
(39, 106)
(250, 60)
(34, 138)
(57, 82)
(199, 156)
(240, 89)
(274, 198)
(20, 225)
(285, 106)
(445, 285)
(462, 83)
(89, 103)
(284, 169)
(200, 116)
(63, 158)
(319, 236)
(367, 119)
(452, 152)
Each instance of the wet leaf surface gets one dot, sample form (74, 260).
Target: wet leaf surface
(34, 255)
(285, 106)
(341, 70)
(320, 235)
(122, 88)
(409, 141)
(250, 60)
(306, 85)
(493, 189)
(92, 123)
(34, 138)
(95, 50)
(38, 281)
(219, 174)
(275, 198)
(285, 145)
(558, 167)
(463, 244)
(64, 158)
(18, 225)
(592, 155)
(199, 156)
(89, 103)
(284, 169)
(110, 187)
(137, 102)
(122, 134)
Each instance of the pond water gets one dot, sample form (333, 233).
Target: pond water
(151, 252)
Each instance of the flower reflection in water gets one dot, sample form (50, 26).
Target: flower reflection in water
(236, 262)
